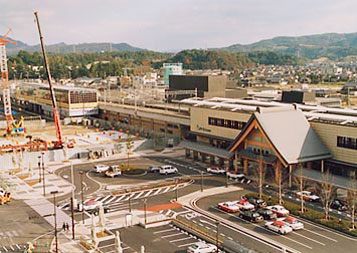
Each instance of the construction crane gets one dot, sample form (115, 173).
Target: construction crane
(56, 118)
(5, 82)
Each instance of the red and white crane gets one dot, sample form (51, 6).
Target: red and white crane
(5, 82)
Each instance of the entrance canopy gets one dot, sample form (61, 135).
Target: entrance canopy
(287, 132)
(206, 149)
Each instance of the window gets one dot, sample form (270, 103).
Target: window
(346, 142)
(226, 123)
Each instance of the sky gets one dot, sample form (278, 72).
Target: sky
(165, 25)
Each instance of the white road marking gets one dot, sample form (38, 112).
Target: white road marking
(309, 238)
(129, 197)
(14, 232)
(157, 192)
(183, 212)
(120, 198)
(163, 231)
(167, 189)
(97, 198)
(107, 197)
(208, 228)
(148, 193)
(138, 196)
(187, 244)
(182, 239)
(5, 248)
(209, 223)
(222, 234)
(230, 238)
(324, 236)
(18, 246)
(172, 235)
(109, 200)
(12, 248)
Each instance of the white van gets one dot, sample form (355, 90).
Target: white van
(168, 169)
(99, 168)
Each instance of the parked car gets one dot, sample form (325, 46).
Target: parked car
(235, 175)
(216, 170)
(292, 222)
(202, 247)
(258, 203)
(251, 216)
(95, 211)
(230, 207)
(307, 196)
(168, 169)
(113, 171)
(154, 168)
(279, 210)
(267, 214)
(338, 205)
(244, 205)
(99, 168)
(279, 227)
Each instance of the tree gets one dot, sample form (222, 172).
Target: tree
(129, 145)
(326, 192)
(352, 198)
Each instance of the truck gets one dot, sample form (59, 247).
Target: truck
(113, 171)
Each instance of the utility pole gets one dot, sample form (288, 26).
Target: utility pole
(72, 201)
(217, 224)
(145, 215)
(176, 189)
(81, 173)
(227, 177)
(55, 217)
(39, 169)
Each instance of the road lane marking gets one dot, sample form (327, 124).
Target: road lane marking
(138, 196)
(105, 198)
(172, 235)
(120, 198)
(109, 200)
(5, 248)
(167, 189)
(183, 212)
(129, 197)
(208, 228)
(148, 193)
(230, 238)
(309, 238)
(163, 231)
(157, 192)
(203, 221)
(182, 239)
(12, 248)
(187, 244)
(18, 246)
(324, 236)
(222, 234)
(263, 228)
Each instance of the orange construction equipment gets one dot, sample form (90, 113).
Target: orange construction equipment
(5, 82)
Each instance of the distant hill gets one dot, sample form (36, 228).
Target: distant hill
(334, 46)
(71, 48)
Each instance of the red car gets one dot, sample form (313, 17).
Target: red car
(245, 205)
(230, 207)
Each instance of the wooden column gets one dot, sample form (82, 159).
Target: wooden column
(322, 166)
(235, 161)
(245, 166)
(290, 175)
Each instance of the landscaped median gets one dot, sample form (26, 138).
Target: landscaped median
(311, 215)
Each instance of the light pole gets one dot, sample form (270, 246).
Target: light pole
(217, 224)
(176, 189)
(226, 177)
(129, 199)
(43, 175)
(201, 181)
(39, 169)
(145, 217)
(72, 200)
(55, 217)
(82, 209)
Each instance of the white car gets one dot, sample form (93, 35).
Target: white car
(279, 227)
(244, 205)
(235, 175)
(279, 210)
(307, 196)
(292, 222)
(91, 204)
(230, 206)
(216, 170)
(99, 168)
(168, 169)
(113, 171)
(202, 247)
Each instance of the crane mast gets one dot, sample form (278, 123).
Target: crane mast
(56, 118)
(5, 82)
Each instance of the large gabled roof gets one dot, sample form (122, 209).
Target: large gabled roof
(291, 135)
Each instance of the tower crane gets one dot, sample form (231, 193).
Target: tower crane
(5, 82)
(56, 118)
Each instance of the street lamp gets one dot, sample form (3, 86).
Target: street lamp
(226, 177)
(145, 217)
(39, 169)
(81, 173)
(129, 199)
(217, 224)
(176, 189)
(43, 174)
(201, 181)
(72, 200)
(55, 217)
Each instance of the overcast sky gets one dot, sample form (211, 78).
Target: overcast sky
(174, 24)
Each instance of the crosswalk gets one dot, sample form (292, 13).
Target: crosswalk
(119, 202)
(13, 248)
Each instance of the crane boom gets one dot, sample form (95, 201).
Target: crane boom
(56, 118)
(5, 82)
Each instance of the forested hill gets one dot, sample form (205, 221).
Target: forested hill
(334, 46)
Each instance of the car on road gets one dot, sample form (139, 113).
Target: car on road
(113, 171)
(278, 226)
(168, 169)
(216, 170)
(202, 247)
(244, 205)
(95, 211)
(292, 222)
(251, 216)
(230, 206)
(99, 168)
(258, 203)
(235, 175)
(307, 196)
(279, 210)
(91, 204)
(154, 168)
(338, 205)
(267, 214)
